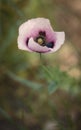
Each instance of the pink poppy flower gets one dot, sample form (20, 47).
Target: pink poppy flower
(37, 35)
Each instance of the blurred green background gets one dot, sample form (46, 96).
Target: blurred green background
(35, 96)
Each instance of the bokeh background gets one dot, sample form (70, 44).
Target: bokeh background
(35, 96)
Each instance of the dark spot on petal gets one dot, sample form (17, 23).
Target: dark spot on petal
(27, 41)
(50, 44)
(43, 33)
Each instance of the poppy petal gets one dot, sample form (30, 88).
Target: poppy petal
(60, 37)
(22, 44)
(32, 45)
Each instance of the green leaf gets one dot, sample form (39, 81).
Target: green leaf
(52, 88)
(24, 81)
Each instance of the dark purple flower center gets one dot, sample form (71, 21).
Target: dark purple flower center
(43, 33)
(41, 40)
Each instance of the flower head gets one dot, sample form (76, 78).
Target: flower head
(37, 35)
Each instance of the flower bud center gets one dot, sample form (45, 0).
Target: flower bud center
(40, 40)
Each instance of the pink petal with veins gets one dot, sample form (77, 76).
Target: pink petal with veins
(60, 37)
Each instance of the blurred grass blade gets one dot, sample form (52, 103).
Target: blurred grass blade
(16, 9)
(24, 81)
(5, 114)
(52, 88)
(47, 72)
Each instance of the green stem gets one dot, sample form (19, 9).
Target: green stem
(42, 66)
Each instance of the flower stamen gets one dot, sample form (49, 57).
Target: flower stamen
(40, 40)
